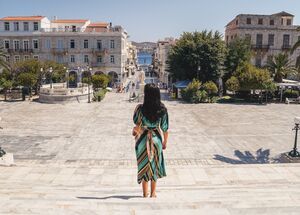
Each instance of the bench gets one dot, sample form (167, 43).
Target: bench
(292, 100)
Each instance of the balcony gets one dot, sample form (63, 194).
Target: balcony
(286, 47)
(260, 47)
(59, 51)
(99, 51)
(19, 51)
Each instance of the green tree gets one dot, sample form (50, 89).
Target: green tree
(198, 50)
(100, 81)
(280, 66)
(27, 79)
(211, 89)
(189, 94)
(232, 84)
(239, 53)
(3, 63)
(5, 85)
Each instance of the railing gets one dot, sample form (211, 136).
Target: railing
(59, 50)
(19, 50)
(286, 46)
(99, 50)
(260, 46)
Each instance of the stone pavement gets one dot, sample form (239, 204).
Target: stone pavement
(79, 159)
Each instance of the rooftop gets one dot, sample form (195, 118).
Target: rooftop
(22, 18)
(98, 25)
(70, 21)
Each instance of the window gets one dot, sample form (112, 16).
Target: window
(281, 21)
(85, 44)
(35, 26)
(59, 59)
(7, 58)
(271, 39)
(6, 44)
(72, 58)
(237, 22)
(73, 28)
(36, 57)
(112, 59)
(16, 45)
(248, 37)
(17, 58)
(35, 44)
(26, 45)
(286, 41)
(258, 61)
(72, 44)
(259, 40)
(60, 44)
(48, 44)
(99, 44)
(248, 21)
(6, 26)
(99, 59)
(112, 44)
(26, 57)
(26, 26)
(288, 22)
(272, 22)
(86, 58)
(260, 21)
(16, 26)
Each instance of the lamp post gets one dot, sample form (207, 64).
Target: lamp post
(50, 71)
(2, 152)
(67, 75)
(89, 79)
(198, 71)
(294, 152)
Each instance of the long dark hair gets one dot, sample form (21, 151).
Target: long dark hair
(152, 108)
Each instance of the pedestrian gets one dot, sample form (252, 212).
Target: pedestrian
(151, 135)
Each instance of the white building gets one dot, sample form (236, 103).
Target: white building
(269, 34)
(77, 43)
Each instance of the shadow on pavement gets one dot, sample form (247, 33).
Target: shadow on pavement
(261, 157)
(109, 197)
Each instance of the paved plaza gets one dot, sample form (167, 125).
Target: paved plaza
(80, 159)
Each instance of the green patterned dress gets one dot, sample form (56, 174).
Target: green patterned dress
(148, 147)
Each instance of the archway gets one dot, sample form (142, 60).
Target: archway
(114, 78)
(85, 75)
(99, 73)
(73, 79)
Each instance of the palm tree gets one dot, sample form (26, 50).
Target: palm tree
(280, 66)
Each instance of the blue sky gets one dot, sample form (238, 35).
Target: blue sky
(153, 19)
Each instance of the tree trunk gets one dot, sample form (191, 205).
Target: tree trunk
(5, 95)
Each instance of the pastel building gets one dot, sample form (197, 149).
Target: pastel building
(79, 44)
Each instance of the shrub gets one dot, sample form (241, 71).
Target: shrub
(291, 94)
(200, 96)
(190, 91)
(99, 95)
(232, 84)
(100, 81)
(211, 88)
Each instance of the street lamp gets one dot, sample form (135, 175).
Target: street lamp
(50, 71)
(89, 79)
(67, 75)
(198, 71)
(294, 152)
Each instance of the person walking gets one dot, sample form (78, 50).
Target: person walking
(151, 135)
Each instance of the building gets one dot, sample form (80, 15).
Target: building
(160, 59)
(78, 43)
(269, 34)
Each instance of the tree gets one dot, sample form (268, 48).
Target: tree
(232, 84)
(3, 63)
(211, 88)
(27, 79)
(239, 53)
(100, 81)
(280, 66)
(5, 84)
(198, 50)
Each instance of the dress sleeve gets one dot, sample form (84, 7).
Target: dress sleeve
(137, 114)
(164, 124)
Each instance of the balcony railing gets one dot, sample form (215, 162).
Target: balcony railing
(260, 47)
(61, 51)
(99, 51)
(19, 51)
(286, 46)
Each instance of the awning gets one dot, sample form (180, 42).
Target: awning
(181, 84)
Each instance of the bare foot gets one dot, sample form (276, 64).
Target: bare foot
(146, 195)
(153, 195)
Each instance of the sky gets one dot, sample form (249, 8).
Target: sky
(151, 20)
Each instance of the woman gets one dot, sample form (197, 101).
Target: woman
(151, 120)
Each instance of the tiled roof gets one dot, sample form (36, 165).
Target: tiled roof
(70, 21)
(22, 18)
(98, 25)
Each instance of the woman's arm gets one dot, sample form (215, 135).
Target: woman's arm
(164, 144)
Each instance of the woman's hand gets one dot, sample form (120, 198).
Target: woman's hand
(164, 145)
